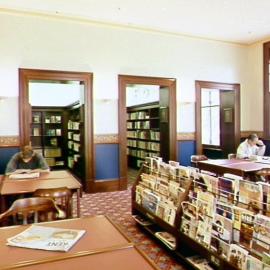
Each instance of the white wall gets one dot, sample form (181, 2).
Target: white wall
(46, 43)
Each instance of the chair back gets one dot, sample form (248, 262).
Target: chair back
(32, 210)
(231, 156)
(195, 158)
(62, 197)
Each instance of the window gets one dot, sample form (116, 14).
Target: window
(210, 113)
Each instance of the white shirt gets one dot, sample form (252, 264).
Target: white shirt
(245, 150)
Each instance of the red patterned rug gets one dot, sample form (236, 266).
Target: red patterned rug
(117, 205)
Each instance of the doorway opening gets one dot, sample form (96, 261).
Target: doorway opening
(55, 110)
(147, 122)
(217, 118)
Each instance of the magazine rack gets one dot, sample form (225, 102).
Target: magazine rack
(248, 202)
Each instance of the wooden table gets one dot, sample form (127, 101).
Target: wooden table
(53, 179)
(102, 247)
(234, 166)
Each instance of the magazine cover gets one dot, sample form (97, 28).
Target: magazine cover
(211, 183)
(150, 201)
(226, 190)
(246, 229)
(47, 238)
(203, 234)
(142, 221)
(220, 247)
(224, 210)
(169, 214)
(167, 239)
(206, 204)
(238, 256)
(254, 263)
(250, 195)
(222, 228)
(261, 235)
(238, 213)
(266, 196)
(189, 209)
(189, 226)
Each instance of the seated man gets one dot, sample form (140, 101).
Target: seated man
(27, 159)
(250, 147)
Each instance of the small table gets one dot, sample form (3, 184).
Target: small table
(53, 179)
(234, 166)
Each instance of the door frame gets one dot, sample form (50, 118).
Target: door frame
(25, 75)
(222, 86)
(123, 80)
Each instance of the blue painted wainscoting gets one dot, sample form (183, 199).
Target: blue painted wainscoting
(5, 154)
(107, 161)
(185, 150)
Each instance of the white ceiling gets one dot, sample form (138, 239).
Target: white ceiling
(240, 21)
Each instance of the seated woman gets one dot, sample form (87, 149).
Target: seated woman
(25, 160)
(250, 147)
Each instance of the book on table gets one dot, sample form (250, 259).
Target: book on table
(46, 238)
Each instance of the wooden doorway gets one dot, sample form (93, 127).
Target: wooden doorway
(217, 118)
(25, 119)
(124, 81)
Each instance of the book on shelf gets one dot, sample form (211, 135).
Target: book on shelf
(167, 238)
(47, 238)
(254, 263)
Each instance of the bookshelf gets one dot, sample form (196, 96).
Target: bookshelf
(146, 133)
(212, 217)
(75, 140)
(47, 128)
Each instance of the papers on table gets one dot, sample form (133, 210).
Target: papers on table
(24, 175)
(47, 238)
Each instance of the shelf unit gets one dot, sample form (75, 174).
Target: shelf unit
(75, 140)
(47, 130)
(187, 246)
(147, 133)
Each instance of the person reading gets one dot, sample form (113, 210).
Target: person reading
(26, 161)
(252, 146)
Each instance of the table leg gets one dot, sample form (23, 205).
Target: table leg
(78, 203)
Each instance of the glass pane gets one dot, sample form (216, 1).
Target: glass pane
(205, 97)
(214, 97)
(215, 126)
(206, 130)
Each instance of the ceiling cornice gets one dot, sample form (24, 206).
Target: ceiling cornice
(74, 18)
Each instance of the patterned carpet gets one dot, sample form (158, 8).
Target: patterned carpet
(117, 205)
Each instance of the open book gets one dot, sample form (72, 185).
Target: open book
(47, 238)
(24, 175)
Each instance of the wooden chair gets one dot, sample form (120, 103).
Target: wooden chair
(231, 156)
(195, 158)
(263, 175)
(61, 196)
(32, 210)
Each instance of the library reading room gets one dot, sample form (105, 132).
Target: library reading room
(135, 135)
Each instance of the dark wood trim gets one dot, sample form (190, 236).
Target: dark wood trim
(108, 185)
(215, 85)
(266, 100)
(25, 75)
(123, 80)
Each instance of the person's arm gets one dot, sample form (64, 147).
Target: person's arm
(260, 150)
(12, 165)
(43, 166)
(242, 151)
